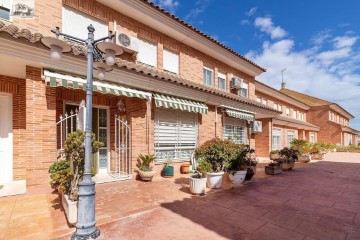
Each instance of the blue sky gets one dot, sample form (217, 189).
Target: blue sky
(317, 41)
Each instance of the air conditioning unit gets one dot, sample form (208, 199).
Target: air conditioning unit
(256, 127)
(236, 83)
(129, 43)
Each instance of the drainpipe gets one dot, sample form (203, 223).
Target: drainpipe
(216, 120)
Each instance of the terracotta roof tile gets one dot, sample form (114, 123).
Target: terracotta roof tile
(292, 120)
(15, 32)
(308, 100)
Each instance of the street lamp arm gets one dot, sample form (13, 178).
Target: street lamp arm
(58, 33)
(105, 38)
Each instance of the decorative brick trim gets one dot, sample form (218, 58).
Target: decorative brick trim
(9, 87)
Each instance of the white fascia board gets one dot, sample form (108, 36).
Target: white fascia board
(77, 66)
(162, 23)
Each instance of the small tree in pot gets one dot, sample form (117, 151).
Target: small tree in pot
(237, 167)
(217, 153)
(303, 149)
(287, 158)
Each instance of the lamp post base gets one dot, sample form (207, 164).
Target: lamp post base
(93, 235)
(85, 227)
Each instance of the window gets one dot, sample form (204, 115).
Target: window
(301, 116)
(222, 81)
(243, 91)
(312, 138)
(288, 112)
(329, 116)
(275, 106)
(279, 107)
(235, 130)
(294, 114)
(147, 53)
(208, 76)
(276, 139)
(264, 101)
(82, 20)
(258, 100)
(291, 136)
(176, 134)
(337, 119)
(5, 10)
(171, 61)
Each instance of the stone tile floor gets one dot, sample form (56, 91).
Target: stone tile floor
(319, 200)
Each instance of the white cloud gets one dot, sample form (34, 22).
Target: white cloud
(169, 5)
(345, 41)
(193, 16)
(245, 22)
(321, 37)
(331, 74)
(266, 25)
(251, 12)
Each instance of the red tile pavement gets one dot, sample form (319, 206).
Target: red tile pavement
(319, 200)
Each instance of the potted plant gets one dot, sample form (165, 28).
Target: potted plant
(274, 155)
(273, 168)
(198, 180)
(146, 171)
(319, 150)
(67, 173)
(185, 168)
(168, 170)
(287, 158)
(303, 149)
(237, 168)
(217, 153)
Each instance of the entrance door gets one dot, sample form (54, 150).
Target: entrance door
(6, 138)
(100, 127)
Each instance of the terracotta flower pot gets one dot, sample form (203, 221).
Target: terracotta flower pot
(184, 168)
(147, 176)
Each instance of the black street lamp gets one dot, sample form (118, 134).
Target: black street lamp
(86, 225)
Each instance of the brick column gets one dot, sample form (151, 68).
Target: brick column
(40, 127)
(263, 139)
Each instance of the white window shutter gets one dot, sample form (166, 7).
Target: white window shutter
(75, 23)
(147, 53)
(171, 61)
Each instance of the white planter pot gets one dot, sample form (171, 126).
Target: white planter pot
(70, 208)
(237, 178)
(214, 180)
(197, 185)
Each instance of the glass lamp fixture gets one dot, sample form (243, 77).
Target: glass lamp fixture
(111, 50)
(101, 68)
(57, 47)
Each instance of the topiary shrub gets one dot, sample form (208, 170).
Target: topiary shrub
(68, 173)
(217, 153)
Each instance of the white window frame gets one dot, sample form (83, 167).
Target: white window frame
(235, 130)
(287, 112)
(147, 53)
(206, 81)
(264, 101)
(276, 133)
(70, 16)
(258, 100)
(221, 77)
(290, 137)
(176, 152)
(170, 61)
(294, 114)
(312, 138)
(279, 107)
(8, 7)
(275, 106)
(244, 90)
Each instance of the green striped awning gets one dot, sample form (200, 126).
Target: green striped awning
(239, 115)
(61, 80)
(178, 103)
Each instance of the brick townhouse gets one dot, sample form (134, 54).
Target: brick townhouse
(278, 132)
(331, 117)
(172, 89)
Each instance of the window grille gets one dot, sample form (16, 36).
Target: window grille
(276, 139)
(235, 130)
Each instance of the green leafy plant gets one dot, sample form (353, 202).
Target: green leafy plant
(168, 162)
(217, 153)
(301, 146)
(145, 161)
(274, 164)
(288, 153)
(242, 161)
(68, 173)
(202, 168)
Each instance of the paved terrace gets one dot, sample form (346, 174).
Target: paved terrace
(319, 200)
